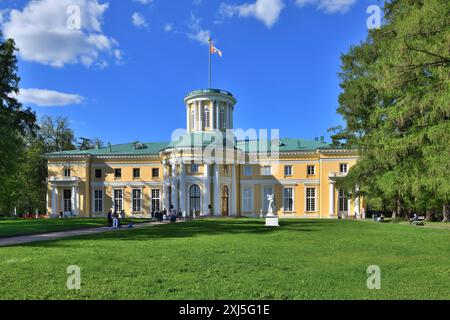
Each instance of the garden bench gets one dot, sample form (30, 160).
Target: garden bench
(419, 221)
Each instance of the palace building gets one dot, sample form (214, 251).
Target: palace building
(207, 172)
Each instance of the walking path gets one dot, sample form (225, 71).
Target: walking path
(10, 241)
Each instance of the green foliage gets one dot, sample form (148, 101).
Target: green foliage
(16, 122)
(396, 105)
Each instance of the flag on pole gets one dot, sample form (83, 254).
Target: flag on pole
(215, 50)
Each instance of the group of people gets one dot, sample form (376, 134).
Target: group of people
(172, 215)
(114, 218)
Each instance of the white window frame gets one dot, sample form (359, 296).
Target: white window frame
(263, 170)
(137, 199)
(98, 200)
(248, 171)
(289, 168)
(309, 198)
(309, 166)
(152, 199)
(67, 172)
(114, 199)
(343, 197)
(343, 165)
(206, 117)
(293, 199)
(250, 200)
(196, 166)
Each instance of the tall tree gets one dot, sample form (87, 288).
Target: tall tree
(396, 105)
(56, 134)
(15, 123)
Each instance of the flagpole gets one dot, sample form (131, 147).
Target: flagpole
(209, 40)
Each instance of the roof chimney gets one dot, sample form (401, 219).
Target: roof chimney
(322, 139)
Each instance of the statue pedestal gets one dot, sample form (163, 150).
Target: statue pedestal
(272, 221)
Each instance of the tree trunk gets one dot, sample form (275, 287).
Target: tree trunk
(429, 215)
(446, 212)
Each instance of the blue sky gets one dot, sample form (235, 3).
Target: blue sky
(124, 75)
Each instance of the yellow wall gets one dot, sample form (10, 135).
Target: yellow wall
(324, 164)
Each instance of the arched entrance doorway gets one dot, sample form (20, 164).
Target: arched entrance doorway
(225, 196)
(194, 199)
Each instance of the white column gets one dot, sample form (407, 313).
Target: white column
(233, 191)
(165, 187)
(357, 204)
(182, 187)
(331, 203)
(200, 112)
(216, 190)
(54, 200)
(217, 115)
(174, 186)
(206, 190)
(74, 200)
(188, 119)
(349, 212)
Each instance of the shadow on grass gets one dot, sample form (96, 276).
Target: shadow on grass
(198, 227)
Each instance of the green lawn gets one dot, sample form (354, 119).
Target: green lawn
(236, 259)
(16, 227)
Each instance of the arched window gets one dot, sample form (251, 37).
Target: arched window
(222, 119)
(206, 117)
(194, 198)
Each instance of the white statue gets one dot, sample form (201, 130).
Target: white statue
(270, 198)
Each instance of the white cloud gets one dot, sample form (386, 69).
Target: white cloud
(196, 32)
(42, 34)
(168, 27)
(139, 20)
(48, 98)
(329, 6)
(267, 11)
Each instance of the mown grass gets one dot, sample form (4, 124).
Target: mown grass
(236, 259)
(17, 227)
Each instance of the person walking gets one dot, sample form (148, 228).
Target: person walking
(115, 220)
(110, 218)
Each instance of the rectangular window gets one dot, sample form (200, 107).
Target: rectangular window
(98, 173)
(66, 172)
(117, 173)
(288, 199)
(136, 173)
(194, 168)
(343, 168)
(98, 201)
(118, 200)
(288, 170)
(266, 170)
(343, 201)
(247, 199)
(137, 200)
(225, 169)
(155, 172)
(311, 170)
(156, 204)
(248, 171)
(310, 199)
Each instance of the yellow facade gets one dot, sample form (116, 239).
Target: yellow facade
(140, 178)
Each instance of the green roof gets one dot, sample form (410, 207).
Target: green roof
(285, 145)
(192, 140)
